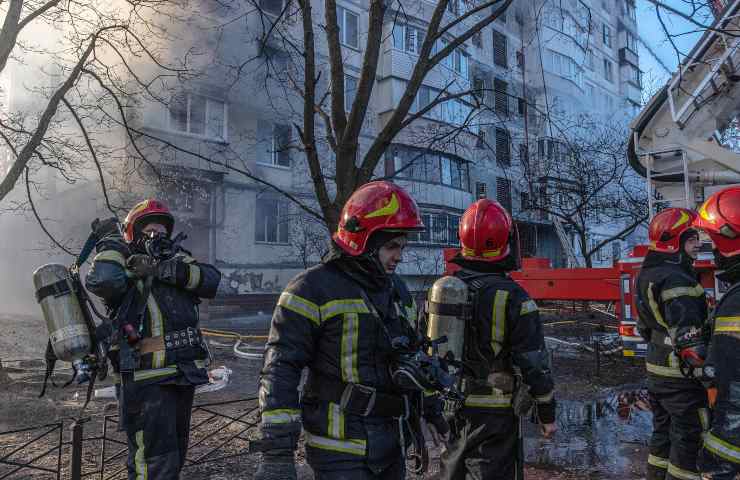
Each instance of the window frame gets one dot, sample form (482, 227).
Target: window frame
(280, 216)
(188, 110)
(343, 11)
(437, 237)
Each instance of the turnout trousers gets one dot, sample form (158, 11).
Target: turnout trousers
(482, 446)
(397, 471)
(680, 417)
(157, 425)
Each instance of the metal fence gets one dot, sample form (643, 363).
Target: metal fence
(96, 449)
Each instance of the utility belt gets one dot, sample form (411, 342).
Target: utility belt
(354, 398)
(188, 342)
(502, 381)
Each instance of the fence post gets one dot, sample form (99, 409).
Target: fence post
(75, 461)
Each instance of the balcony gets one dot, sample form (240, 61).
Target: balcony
(627, 56)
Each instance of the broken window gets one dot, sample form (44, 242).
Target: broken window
(271, 221)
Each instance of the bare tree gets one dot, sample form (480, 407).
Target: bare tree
(580, 178)
(308, 37)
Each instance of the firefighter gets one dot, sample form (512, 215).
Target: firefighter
(672, 313)
(153, 296)
(720, 218)
(504, 351)
(340, 319)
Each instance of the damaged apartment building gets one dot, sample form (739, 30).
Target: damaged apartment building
(260, 239)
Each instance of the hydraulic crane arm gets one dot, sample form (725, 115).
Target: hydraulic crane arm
(674, 142)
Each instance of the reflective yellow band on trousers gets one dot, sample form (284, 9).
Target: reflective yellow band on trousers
(353, 447)
(722, 448)
(140, 457)
(679, 472)
(663, 371)
(281, 415)
(657, 461)
(495, 400)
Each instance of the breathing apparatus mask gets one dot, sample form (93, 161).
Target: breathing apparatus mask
(414, 370)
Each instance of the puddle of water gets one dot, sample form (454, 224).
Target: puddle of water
(608, 435)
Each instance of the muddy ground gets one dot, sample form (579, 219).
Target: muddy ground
(603, 427)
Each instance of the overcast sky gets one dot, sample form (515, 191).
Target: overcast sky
(653, 35)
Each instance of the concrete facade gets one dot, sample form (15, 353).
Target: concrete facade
(260, 240)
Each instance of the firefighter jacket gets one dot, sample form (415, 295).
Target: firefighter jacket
(723, 440)
(323, 321)
(170, 307)
(672, 312)
(505, 335)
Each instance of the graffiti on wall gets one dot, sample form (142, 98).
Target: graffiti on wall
(240, 281)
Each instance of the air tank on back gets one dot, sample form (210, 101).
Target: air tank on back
(446, 312)
(65, 318)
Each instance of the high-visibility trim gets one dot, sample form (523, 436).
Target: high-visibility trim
(671, 293)
(112, 256)
(654, 307)
(340, 307)
(193, 277)
(704, 419)
(498, 321)
(154, 373)
(663, 371)
(353, 447)
(157, 324)
(495, 400)
(657, 461)
(387, 210)
(682, 474)
(722, 448)
(336, 421)
(726, 324)
(186, 258)
(140, 457)
(545, 398)
(300, 305)
(528, 307)
(348, 353)
(281, 415)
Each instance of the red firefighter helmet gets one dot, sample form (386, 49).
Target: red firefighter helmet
(720, 218)
(666, 228)
(375, 206)
(148, 211)
(487, 232)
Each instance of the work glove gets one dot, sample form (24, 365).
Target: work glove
(168, 271)
(142, 265)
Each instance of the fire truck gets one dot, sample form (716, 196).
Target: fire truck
(677, 144)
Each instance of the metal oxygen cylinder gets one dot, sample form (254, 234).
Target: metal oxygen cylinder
(65, 319)
(447, 306)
